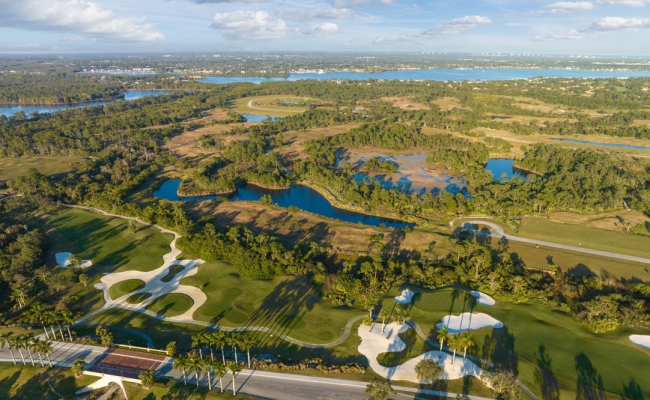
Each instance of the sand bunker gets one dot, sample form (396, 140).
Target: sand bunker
(468, 322)
(483, 299)
(405, 297)
(641, 340)
(374, 342)
(63, 259)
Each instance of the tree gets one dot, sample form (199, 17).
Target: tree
(206, 367)
(383, 314)
(442, 336)
(233, 367)
(234, 341)
(455, 342)
(220, 339)
(105, 336)
(28, 343)
(83, 278)
(78, 367)
(6, 340)
(197, 342)
(67, 317)
(17, 343)
(181, 364)
(45, 347)
(468, 341)
(147, 379)
(36, 313)
(74, 261)
(247, 343)
(36, 344)
(133, 226)
(194, 364)
(428, 370)
(171, 349)
(503, 386)
(379, 389)
(220, 370)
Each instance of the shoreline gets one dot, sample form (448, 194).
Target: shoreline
(110, 99)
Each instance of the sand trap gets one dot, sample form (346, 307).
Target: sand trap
(405, 297)
(63, 260)
(641, 340)
(468, 322)
(483, 299)
(374, 342)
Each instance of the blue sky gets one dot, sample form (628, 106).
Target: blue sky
(618, 27)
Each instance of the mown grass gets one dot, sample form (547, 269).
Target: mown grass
(287, 305)
(171, 305)
(172, 272)
(125, 287)
(13, 167)
(176, 390)
(138, 298)
(27, 382)
(536, 335)
(265, 102)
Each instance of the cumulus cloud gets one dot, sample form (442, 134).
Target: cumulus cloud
(629, 3)
(398, 40)
(568, 35)
(458, 25)
(361, 3)
(617, 24)
(563, 7)
(325, 28)
(310, 14)
(79, 17)
(250, 25)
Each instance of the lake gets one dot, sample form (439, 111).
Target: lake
(614, 145)
(436, 75)
(499, 166)
(128, 95)
(258, 118)
(299, 196)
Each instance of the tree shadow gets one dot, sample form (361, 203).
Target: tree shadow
(499, 348)
(632, 391)
(589, 383)
(544, 376)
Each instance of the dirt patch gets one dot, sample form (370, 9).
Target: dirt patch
(405, 103)
(294, 140)
(449, 103)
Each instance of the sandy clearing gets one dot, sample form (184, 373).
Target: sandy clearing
(468, 322)
(374, 342)
(641, 340)
(483, 299)
(63, 259)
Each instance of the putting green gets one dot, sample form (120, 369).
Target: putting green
(138, 298)
(171, 305)
(172, 272)
(125, 287)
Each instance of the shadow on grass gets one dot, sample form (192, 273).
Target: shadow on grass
(544, 376)
(589, 383)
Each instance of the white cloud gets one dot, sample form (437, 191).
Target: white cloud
(80, 17)
(228, 1)
(325, 28)
(399, 40)
(629, 3)
(568, 35)
(361, 3)
(310, 14)
(617, 24)
(568, 6)
(249, 25)
(458, 25)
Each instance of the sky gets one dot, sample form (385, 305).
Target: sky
(598, 27)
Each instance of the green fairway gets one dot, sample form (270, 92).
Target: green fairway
(20, 382)
(138, 298)
(172, 272)
(13, 167)
(540, 336)
(287, 305)
(125, 287)
(171, 305)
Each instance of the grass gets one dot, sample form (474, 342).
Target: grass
(138, 298)
(125, 287)
(176, 390)
(288, 305)
(537, 335)
(20, 382)
(264, 105)
(172, 272)
(415, 347)
(171, 305)
(11, 168)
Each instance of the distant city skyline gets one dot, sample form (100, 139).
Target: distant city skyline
(599, 27)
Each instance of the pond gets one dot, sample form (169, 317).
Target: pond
(500, 166)
(299, 196)
(258, 118)
(614, 145)
(10, 110)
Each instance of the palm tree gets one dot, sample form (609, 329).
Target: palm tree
(246, 343)
(442, 336)
(45, 347)
(57, 318)
(26, 343)
(383, 314)
(220, 370)
(67, 317)
(455, 342)
(37, 345)
(195, 365)
(468, 341)
(197, 342)
(220, 339)
(180, 364)
(6, 339)
(206, 367)
(234, 341)
(234, 369)
(37, 313)
(51, 318)
(17, 343)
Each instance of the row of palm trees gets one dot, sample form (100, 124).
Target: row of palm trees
(455, 342)
(210, 367)
(28, 342)
(214, 340)
(38, 314)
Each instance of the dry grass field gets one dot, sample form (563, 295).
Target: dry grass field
(405, 103)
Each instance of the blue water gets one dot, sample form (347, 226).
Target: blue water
(499, 166)
(258, 118)
(437, 75)
(299, 196)
(614, 145)
(129, 95)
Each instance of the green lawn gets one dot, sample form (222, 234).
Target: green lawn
(138, 298)
(177, 391)
(20, 382)
(171, 305)
(540, 335)
(287, 304)
(13, 167)
(125, 287)
(172, 272)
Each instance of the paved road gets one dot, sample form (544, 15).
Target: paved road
(268, 385)
(497, 231)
